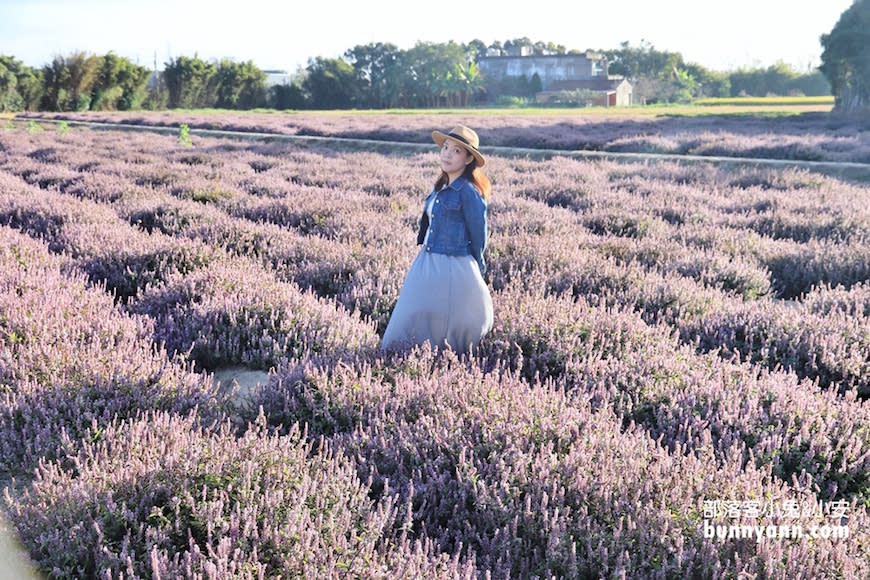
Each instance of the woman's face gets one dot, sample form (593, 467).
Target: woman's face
(454, 158)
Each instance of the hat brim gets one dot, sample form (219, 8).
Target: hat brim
(440, 137)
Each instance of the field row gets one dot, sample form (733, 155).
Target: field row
(726, 259)
(807, 137)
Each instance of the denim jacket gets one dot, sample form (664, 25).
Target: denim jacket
(458, 225)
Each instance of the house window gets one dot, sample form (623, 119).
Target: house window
(597, 68)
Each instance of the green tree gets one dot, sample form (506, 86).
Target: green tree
(642, 61)
(10, 100)
(157, 95)
(240, 85)
(540, 48)
(331, 83)
(777, 79)
(812, 83)
(30, 87)
(398, 82)
(133, 80)
(515, 86)
(190, 83)
(469, 82)
(536, 85)
(69, 81)
(684, 85)
(55, 79)
(287, 96)
(107, 91)
(20, 86)
(709, 83)
(120, 84)
(376, 66)
(516, 45)
(477, 50)
(431, 70)
(846, 58)
(83, 70)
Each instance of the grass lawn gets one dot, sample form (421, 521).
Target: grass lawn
(710, 106)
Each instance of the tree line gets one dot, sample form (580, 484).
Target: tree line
(381, 75)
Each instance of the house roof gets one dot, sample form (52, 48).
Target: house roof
(596, 84)
(589, 55)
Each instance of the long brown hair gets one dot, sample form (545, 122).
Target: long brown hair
(475, 175)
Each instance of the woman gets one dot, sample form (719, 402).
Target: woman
(444, 299)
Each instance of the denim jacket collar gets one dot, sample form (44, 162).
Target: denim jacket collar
(457, 183)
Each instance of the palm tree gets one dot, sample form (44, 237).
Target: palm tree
(469, 80)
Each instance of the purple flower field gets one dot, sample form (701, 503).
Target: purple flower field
(804, 137)
(680, 353)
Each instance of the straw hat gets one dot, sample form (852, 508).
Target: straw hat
(465, 137)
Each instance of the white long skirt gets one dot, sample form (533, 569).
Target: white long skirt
(444, 300)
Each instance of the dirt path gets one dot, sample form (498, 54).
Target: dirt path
(14, 562)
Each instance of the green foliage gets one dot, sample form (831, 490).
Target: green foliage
(661, 76)
(643, 61)
(510, 101)
(20, 86)
(34, 127)
(812, 84)
(516, 86)
(846, 57)
(63, 128)
(210, 195)
(81, 82)
(432, 68)
(461, 86)
(190, 83)
(68, 82)
(778, 79)
(709, 83)
(120, 84)
(287, 96)
(332, 84)
(10, 100)
(435, 74)
(184, 136)
(535, 84)
(379, 69)
(157, 97)
(665, 77)
(376, 75)
(685, 85)
(240, 85)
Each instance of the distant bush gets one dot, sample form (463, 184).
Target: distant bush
(511, 101)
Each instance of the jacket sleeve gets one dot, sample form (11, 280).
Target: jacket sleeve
(474, 213)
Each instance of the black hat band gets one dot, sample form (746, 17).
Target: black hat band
(461, 139)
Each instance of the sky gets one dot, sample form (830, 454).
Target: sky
(285, 34)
